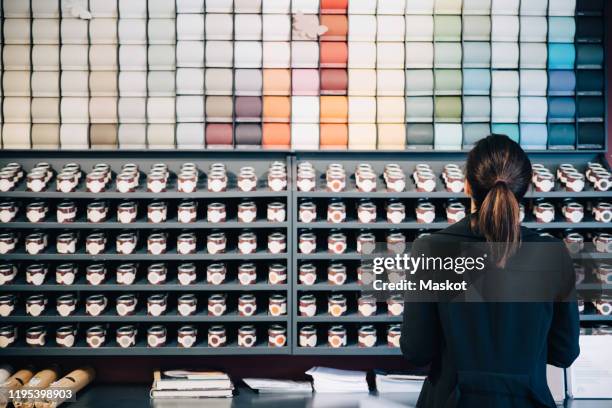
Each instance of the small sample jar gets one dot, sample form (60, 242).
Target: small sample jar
(36, 181)
(544, 181)
(95, 305)
(216, 243)
(66, 243)
(187, 181)
(157, 212)
(394, 333)
(603, 242)
(573, 212)
(277, 336)
(126, 243)
(215, 212)
(95, 243)
(7, 181)
(97, 212)
(396, 181)
(186, 243)
(306, 180)
(277, 243)
(335, 181)
(157, 305)
(126, 304)
(277, 274)
(66, 182)
(366, 212)
(544, 212)
(216, 305)
(7, 305)
(337, 243)
(336, 336)
(187, 212)
(366, 336)
(156, 336)
(308, 306)
(365, 274)
(95, 274)
(247, 211)
(7, 273)
(336, 212)
(8, 335)
(247, 274)
(95, 336)
(307, 243)
(217, 336)
(575, 182)
(277, 180)
(454, 181)
(307, 212)
(36, 336)
(396, 213)
(247, 336)
(35, 274)
(365, 181)
(604, 305)
(276, 212)
(277, 305)
(65, 305)
(187, 336)
(366, 243)
(425, 213)
(216, 273)
(37, 211)
(395, 305)
(247, 179)
(186, 273)
(247, 305)
(157, 274)
(604, 273)
(8, 211)
(36, 305)
(126, 274)
(65, 336)
(126, 182)
(602, 212)
(455, 212)
(156, 182)
(35, 243)
(336, 274)
(366, 305)
(396, 243)
(127, 212)
(574, 242)
(65, 274)
(126, 336)
(308, 336)
(157, 244)
(307, 274)
(247, 243)
(187, 304)
(336, 305)
(217, 181)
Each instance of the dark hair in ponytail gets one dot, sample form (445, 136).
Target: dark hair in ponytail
(498, 172)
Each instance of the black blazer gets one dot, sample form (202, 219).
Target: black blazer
(488, 354)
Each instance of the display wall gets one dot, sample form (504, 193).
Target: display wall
(302, 74)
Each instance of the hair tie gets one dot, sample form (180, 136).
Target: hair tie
(501, 180)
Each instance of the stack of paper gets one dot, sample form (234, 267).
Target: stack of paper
(269, 386)
(341, 381)
(398, 382)
(191, 384)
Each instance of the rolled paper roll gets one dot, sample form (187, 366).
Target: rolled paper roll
(591, 135)
(588, 28)
(561, 56)
(477, 7)
(504, 55)
(561, 81)
(334, 81)
(589, 55)
(478, 28)
(41, 380)
(534, 82)
(14, 382)
(248, 108)
(190, 7)
(504, 28)
(161, 109)
(504, 83)
(162, 57)
(590, 107)
(5, 372)
(248, 134)
(45, 136)
(219, 134)
(161, 9)
(190, 135)
(103, 136)
(16, 136)
(161, 31)
(390, 109)
(46, 57)
(504, 109)
(304, 54)
(16, 9)
(276, 109)
(305, 82)
(276, 135)
(361, 28)
(247, 6)
(510, 7)
(391, 7)
(561, 135)
(16, 109)
(561, 29)
(390, 55)
(74, 381)
(16, 57)
(103, 31)
(473, 132)
(476, 108)
(248, 54)
(448, 55)
(533, 135)
(189, 81)
(248, 82)
(103, 109)
(563, 108)
(103, 57)
(361, 136)
(276, 6)
(391, 28)
(448, 136)
(391, 136)
(448, 108)
(277, 27)
(590, 81)
(219, 81)
(448, 7)
(362, 82)
(276, 82)
(189, 27)
(132, 84)
(533, 29)
(337, 27)
(419, 109)
(362, 55)
(533, 109)
(132, 31)
(448, 81)
(160, 136)
(534, 8)
(131, 57)
(362, 109)
(190, 108)
(362, 7)
(74, 136)
(45, 83)
(447, 27)
(276, 54)
(334, 136)
(334, 6)
(305, 136)
(219, 108)
(390, 82)
(419, 135)
(103, 83)
(190, 54)
(16, 83)
(305, 109)
(132, 136)
(420, 82)
(475, 54)
(334, 54)
(334, 109)
(219, 54)
(132, 9)
(419, 28)
(533, 55)
(132, 110)
(219, 6)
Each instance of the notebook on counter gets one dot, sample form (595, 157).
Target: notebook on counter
(191, 384)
